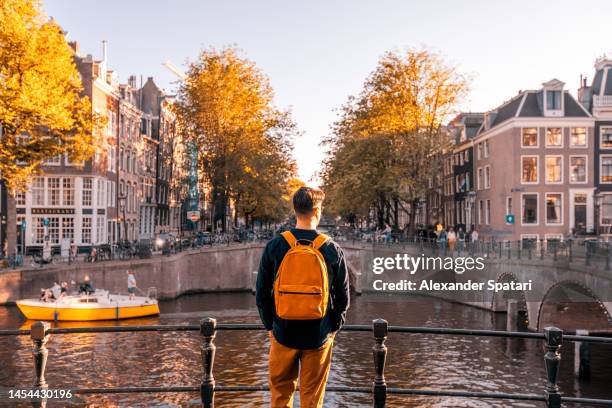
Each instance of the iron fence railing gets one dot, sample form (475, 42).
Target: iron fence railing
(552, 336)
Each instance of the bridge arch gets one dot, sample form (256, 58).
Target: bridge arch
(499, 301)
(567, 302)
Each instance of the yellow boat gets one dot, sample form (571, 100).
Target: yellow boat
(100, 305)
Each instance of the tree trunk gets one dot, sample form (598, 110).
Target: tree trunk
(11, 219)
(412, 225)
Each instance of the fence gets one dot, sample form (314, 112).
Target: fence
(551, 397)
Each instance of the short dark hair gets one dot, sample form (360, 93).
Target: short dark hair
(305, 199)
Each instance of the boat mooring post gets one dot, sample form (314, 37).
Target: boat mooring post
(582, 358)
(381, 329)
(552, 360)
(39, 336)
(208, 329)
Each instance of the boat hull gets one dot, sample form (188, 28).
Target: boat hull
(82, 314)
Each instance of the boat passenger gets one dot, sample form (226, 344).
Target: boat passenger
(46, 295)
(56, 290)
(64, 289)
(131, 283)
(86, 286)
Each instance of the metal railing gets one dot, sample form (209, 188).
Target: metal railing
(553, 337)
(588, 253)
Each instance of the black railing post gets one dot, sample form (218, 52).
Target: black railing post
(570, 253)
(208, 329)
(381, 330)
(607, 256)
(500, 249)
(552, 360)
(541, 248)
(39, 336)
(519, 244)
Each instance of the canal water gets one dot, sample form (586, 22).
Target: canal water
(416, 361)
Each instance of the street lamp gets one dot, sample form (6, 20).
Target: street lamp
(122, 201)
(598, 199)
(471, 199)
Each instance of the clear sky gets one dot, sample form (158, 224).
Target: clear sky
(317, 53)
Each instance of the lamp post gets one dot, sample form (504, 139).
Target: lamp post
(598, 199)
(122, 202)
(471, 199)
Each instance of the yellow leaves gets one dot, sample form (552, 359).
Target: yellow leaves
(39, 93)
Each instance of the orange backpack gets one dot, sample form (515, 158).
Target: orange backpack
(301, 287)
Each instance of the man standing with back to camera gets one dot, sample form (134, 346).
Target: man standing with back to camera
(302, 297)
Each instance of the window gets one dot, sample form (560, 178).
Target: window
(68, 228)
(529, 165)
(480, 215)
(99, 228)
(39, 230)
(606, 169)
(38, 191)
(553, 100)
(54, 161)
(486, 148)
(53, 184)
(480, 178)
(578, 137)
(488, 213)
(479, 150)
(529, 137)
(554, 137)
(67, 191)
(467, 156)
(101, 199)
(86, 231)
(87, 192)
(108, 192)
(553, 208)
(54, 229)
(606, 209)
(605, 136)
(487, 177)
(530, 209)
(554, 169)
(508, 205)
(578, 169)
(20, 198)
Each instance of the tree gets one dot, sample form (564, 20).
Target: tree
(385, 146)
(244, 142)
(42, 111)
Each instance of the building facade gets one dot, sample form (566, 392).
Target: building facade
(534, 167)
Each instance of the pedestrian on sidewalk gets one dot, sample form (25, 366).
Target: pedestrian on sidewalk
(302, 297)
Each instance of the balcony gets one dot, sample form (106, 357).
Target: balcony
(602, 101)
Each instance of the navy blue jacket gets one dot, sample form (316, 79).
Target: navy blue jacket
(303, 334)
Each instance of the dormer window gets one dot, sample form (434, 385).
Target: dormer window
(553, 100)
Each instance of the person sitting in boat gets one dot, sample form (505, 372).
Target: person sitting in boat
(46, 295)
(64, 289)
(86, 286)
(131, 283)
(56, 290)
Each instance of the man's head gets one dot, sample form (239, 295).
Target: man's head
(308, 204)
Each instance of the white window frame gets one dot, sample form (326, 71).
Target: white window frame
(546, 170)
(546, 208)
(485, 148)
(537, 145)
(487, 180)
(537, 223)
(586, 169)
(480, 211)
(601, 131)
(530, 236)
(601, 157)
(586, 138)
(524, 156)
(487, 211)
(562, 145)
(601, 215)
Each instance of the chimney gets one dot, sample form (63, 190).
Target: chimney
(132, 81)
(75, 47)
(104, 53)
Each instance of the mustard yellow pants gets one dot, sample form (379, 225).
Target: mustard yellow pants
(313, 367)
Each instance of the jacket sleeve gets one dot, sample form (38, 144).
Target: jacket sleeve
(264, 288)
(340, 292)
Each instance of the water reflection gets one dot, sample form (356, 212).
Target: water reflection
(416, 361)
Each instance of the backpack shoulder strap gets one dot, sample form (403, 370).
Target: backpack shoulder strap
(290, 238)
(320, 240)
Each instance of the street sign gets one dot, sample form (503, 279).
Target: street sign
(510, 219)
(193, 216)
